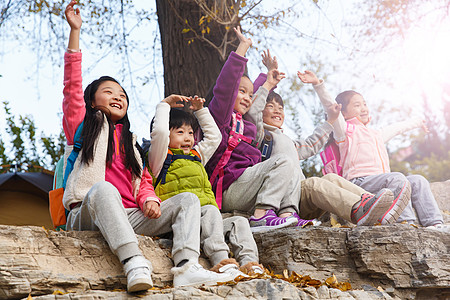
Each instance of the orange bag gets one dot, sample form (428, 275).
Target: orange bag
(57, 210)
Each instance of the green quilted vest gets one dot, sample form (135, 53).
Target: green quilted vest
(186, 175)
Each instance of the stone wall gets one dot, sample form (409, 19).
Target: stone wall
(381, 262)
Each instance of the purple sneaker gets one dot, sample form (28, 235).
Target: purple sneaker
(271, 221)
(302, 222)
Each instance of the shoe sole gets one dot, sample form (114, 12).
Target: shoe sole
(397, 207)
(143, 285)
(210, 282)
(382, 205)
(289, 223)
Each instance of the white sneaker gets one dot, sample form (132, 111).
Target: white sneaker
(440, 227)
(138, 271)
(194, 273)
(232, 270)
(257, 270)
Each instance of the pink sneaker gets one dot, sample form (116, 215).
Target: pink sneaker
(271, 221)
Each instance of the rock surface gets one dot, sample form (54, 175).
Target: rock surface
(411, 260)
(380, 262)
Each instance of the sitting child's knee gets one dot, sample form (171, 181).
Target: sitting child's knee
(189, 199)
(331, 177)
(417, 179)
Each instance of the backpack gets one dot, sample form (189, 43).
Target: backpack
(145, 145)
(266, 145)
(58, 212)
(331, 157)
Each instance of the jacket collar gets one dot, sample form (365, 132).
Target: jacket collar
(357, 121)
(272, 128)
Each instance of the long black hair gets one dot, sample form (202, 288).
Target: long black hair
(93, 122)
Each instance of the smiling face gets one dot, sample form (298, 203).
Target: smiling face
(273, 114)
(111, 96)
(182, 138)
(244, 97)
(357, 107)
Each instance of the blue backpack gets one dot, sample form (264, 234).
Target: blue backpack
(266, 145)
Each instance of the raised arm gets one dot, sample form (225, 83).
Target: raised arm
(160, 132)
(244, 43)
(73, 103)
(313, 143)
(271, 63)
(392, 130)
(328, 103)
(254, 114)
(211, 133)
(227, 84)
(74, 19)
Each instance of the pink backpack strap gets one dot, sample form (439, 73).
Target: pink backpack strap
(237, 128)
(235, 137)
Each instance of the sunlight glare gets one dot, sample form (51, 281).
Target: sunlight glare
(426, 60)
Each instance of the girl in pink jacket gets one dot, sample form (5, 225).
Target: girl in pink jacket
(110, 191)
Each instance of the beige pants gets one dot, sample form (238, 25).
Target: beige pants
(330, 193)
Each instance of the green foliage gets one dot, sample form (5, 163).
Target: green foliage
(24, 149)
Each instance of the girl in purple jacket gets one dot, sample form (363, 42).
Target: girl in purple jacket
(240, 180)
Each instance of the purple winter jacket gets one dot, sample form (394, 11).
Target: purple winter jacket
(221, 108)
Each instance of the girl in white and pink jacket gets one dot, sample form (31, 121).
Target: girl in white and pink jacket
(365, 161)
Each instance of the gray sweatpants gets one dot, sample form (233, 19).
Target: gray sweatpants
(267, 185)
(212, 234)
(422, 199)
(237, 232)
(102, 210)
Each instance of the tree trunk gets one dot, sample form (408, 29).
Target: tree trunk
(191, 64)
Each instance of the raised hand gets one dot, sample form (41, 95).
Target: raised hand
(308, 77)
(73, 16)
(273, 78)
(176, 100)
(241, 37)
(244, 43)
(268, 61)
(196, 103)
(333, 112)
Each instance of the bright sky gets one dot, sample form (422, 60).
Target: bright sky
(422, 64)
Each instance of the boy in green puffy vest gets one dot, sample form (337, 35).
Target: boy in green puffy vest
(178, 166)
